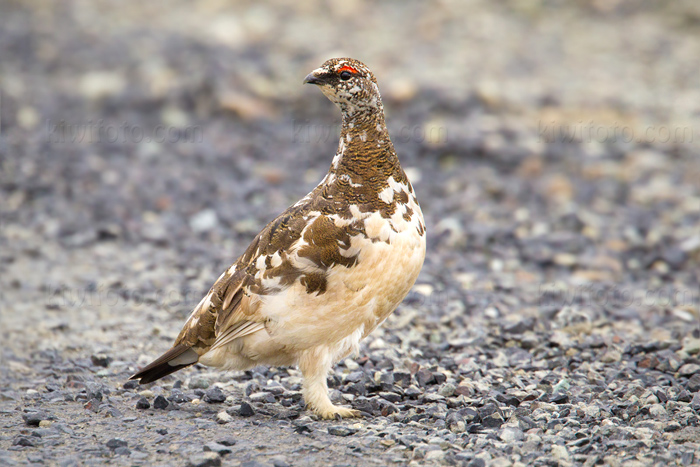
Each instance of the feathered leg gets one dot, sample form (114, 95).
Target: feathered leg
(315, 365)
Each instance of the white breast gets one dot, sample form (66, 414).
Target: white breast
(389, 259)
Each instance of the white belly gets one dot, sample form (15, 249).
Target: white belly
(358, 298)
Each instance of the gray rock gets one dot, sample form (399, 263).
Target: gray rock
(24, 441)
(246, 410)
(143, 403)
(160, 402)
(447, 390)
(456, 422)
(693, 384)
(689, 369)
(34, 418)
(511, 435)
(402, 378)
(223, 418)
(199, 383)
(263, 397)
(425, 377)
(390, 396)
(214, 395)
(341, 431)
(206, 459)
(695, 402)
(115, 443)
(220, 449)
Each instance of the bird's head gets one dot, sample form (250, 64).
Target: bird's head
(349, 84)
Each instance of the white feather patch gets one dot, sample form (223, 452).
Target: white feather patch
(387, 195)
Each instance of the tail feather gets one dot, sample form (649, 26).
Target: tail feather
(177, 358)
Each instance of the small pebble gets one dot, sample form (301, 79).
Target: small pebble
(341, 430)
(246, 410)
(160, 402)
(143, 403)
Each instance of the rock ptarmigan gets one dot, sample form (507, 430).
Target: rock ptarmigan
(327, 271)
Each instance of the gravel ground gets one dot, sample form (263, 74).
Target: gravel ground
(555, 321)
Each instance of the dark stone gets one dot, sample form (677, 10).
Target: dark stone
(220, 449)
(178, 397)
(470, 415)
(559, 398)
(512, 401)
(386, 408)
(52, 387)
(160, 402)
(201, 460)
(101, 360)
(227, 441)
(341, 431)
(674, 256)
(252, 387)
(475, 428)
(672, 426)
(95, 391)
(425, 377)
(439, 377)
(214, 395)
(385, 364)
(34, 418)
(131, 384)
(552, 424)
(526, 423)
(390, 396)
(262, 397)
(115, 443)
(143, 404)
(300, 428)
(23, 441)
(454, 419)
(386, 379)
(487, 410)
(246, 410)
(333, 381)
(162, 431)
(695, 402)
(114, 412)
(290, 414)
(684, 396)
(520, 327)
(275, 389)
(663, 398)
(402, 378)
(492, 421)
(357, 389)
(687, 458)
(413, 392)
(365, 406)
(693, 384)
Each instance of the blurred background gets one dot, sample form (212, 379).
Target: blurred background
(143, 144)
(554, 146)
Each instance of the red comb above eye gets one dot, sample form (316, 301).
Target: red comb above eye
(347, 68)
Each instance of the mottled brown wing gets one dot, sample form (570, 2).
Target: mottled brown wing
(226, 312)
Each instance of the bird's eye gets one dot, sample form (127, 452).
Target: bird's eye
(345, 75)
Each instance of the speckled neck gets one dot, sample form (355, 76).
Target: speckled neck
(365, 151)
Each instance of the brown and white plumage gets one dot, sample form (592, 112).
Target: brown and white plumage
(327, 271)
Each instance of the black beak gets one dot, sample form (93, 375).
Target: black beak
(312, 78)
